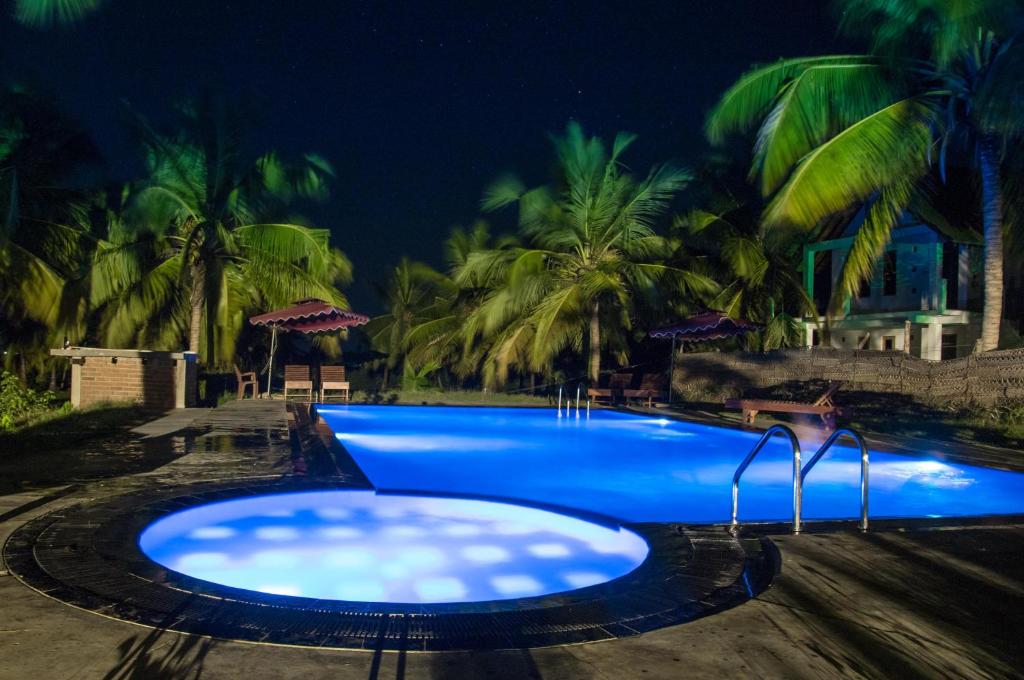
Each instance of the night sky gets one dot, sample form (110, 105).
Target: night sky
(417, 106)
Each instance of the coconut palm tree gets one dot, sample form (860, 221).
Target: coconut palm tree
(941, 85)
(757, 271)
(409, 293)
(591, 250)
(205, 239)
(756, 267)
(446, 334)
(45, 243)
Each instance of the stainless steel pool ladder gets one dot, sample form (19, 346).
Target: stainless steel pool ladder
(797, 490)
(800, 474)
(864, 467)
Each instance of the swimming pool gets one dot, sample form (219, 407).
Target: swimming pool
(358, 546)
(642, 469)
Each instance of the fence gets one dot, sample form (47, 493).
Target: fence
(980, 378)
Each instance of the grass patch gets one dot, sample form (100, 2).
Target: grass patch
(898, 414)
(61, 426)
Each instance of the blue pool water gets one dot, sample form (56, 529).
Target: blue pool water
(638, 468)
(361, 546)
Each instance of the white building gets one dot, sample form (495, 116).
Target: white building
(925, 296)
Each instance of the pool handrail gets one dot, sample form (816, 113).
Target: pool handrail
(864, 467)
(797, 478)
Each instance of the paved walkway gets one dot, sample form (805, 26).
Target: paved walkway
(891, 603)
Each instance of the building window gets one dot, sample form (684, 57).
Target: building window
(951, 273)
(948, 346)
(865, 288)
(889, 342)
(889, 273)
(815, 338)
(822, 292)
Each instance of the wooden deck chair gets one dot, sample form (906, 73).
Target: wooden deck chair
(823, 406)
(333, 378)
(297, 378)
(245, 381)
(617, 383)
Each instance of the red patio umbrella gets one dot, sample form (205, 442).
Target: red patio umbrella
(306, 316)
(705, 326)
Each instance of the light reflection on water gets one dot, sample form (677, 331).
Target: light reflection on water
(639, 468)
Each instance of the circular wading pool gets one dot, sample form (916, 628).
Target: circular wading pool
(363, 547)
(322, 563)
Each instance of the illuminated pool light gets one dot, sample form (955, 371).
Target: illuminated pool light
(360, 546)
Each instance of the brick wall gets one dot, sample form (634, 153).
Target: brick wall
(148, 381)
(981, 378)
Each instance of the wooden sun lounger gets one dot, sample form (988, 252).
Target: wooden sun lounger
(652, 386)
(617, 384)
(297, 378)
(332, 378)
(823, 407)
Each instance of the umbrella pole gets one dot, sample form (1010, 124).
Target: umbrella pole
(671, 368)
(270, 366)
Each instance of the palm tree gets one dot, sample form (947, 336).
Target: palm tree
(757, 271)
(756, 267)
(591, 251)
(446, 333)
(201, 244)
(45, 243)
(408, 294)
(839, 132)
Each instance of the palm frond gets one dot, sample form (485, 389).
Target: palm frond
(884, 148)
(745, 105)
(817, 104)
(870, 240)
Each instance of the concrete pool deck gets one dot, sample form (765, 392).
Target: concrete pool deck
(896, 602)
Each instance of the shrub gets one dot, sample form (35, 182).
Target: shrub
(1007, 416)
(19, 403)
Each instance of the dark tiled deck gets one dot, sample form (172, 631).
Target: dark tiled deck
(892, 603)
(86, 555)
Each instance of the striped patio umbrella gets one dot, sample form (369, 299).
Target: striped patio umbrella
(703, 327)
(306, 316)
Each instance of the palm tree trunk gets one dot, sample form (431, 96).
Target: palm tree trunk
(384, 382)
(53, 375)
(197, 300)
(595, 345)
(992, 219)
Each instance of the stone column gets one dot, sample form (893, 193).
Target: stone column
(185, 380)
(76, 382)
(931, 342)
